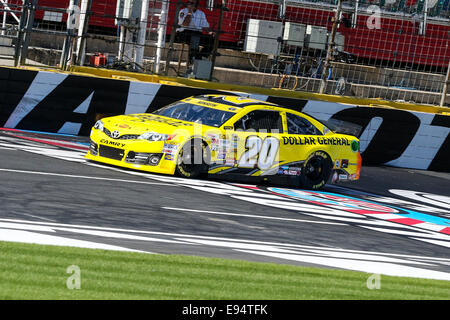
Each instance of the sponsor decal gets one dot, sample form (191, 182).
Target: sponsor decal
(333, 141)
(299, 140)
(290, 171)
(337, 164)
(231, 161)
(224, 143)
(214, 138)
(221, 156)
(344, 163)
(112, 143)
(316, 140)
(169, 157)
(170, 148)
(208, 104)
(355, 146)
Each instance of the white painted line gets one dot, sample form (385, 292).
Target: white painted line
(254, 216)
(390, 269)
(189, 236)
(84, 177)
(45, 239)
(422, 234)
(436, 242)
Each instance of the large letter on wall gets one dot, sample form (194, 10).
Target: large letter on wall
(72, 104)
(393, 136)
(441, 161)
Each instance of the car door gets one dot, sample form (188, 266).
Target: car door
(257, 138)
(299, 140)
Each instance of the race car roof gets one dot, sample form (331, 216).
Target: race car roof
(234, 101)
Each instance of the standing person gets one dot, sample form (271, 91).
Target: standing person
(192, 23)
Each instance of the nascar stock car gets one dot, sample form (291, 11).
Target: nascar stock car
(228, 136)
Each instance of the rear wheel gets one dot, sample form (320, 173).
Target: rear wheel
(192, 159)
(316, 170)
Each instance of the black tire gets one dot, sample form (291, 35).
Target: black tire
(316, 171)
(193, 159)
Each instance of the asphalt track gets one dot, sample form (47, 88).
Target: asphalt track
(393, 221)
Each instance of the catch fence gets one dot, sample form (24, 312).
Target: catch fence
(396, 50)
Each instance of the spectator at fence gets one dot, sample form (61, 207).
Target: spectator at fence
(193, 24)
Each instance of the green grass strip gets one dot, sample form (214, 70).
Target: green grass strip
(40, 272)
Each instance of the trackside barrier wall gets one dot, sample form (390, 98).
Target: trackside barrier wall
(70, 104)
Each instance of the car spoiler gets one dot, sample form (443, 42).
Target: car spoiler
(344, 127)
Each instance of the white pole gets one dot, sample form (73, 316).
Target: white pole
(81, 45)
(355, 15)
(423, 24)
(121, 43)
(5, 6)
(445, 88)
(162, 27)
(142, 33)
(4, 19)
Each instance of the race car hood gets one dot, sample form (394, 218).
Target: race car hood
(144, 122)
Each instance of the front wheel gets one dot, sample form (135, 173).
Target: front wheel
(192, 159)
(316, 171)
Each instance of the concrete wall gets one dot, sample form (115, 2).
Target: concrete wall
(67, 103)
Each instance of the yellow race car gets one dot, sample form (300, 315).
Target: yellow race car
(228, 136)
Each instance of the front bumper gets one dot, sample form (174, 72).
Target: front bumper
(133, 154)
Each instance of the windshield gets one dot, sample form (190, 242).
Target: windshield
(195, 113)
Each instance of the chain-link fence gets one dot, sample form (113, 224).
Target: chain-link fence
(391, 49)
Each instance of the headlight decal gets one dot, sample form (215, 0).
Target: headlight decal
(99, 125)
(155, 136)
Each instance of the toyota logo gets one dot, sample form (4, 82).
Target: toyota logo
(115, 134)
